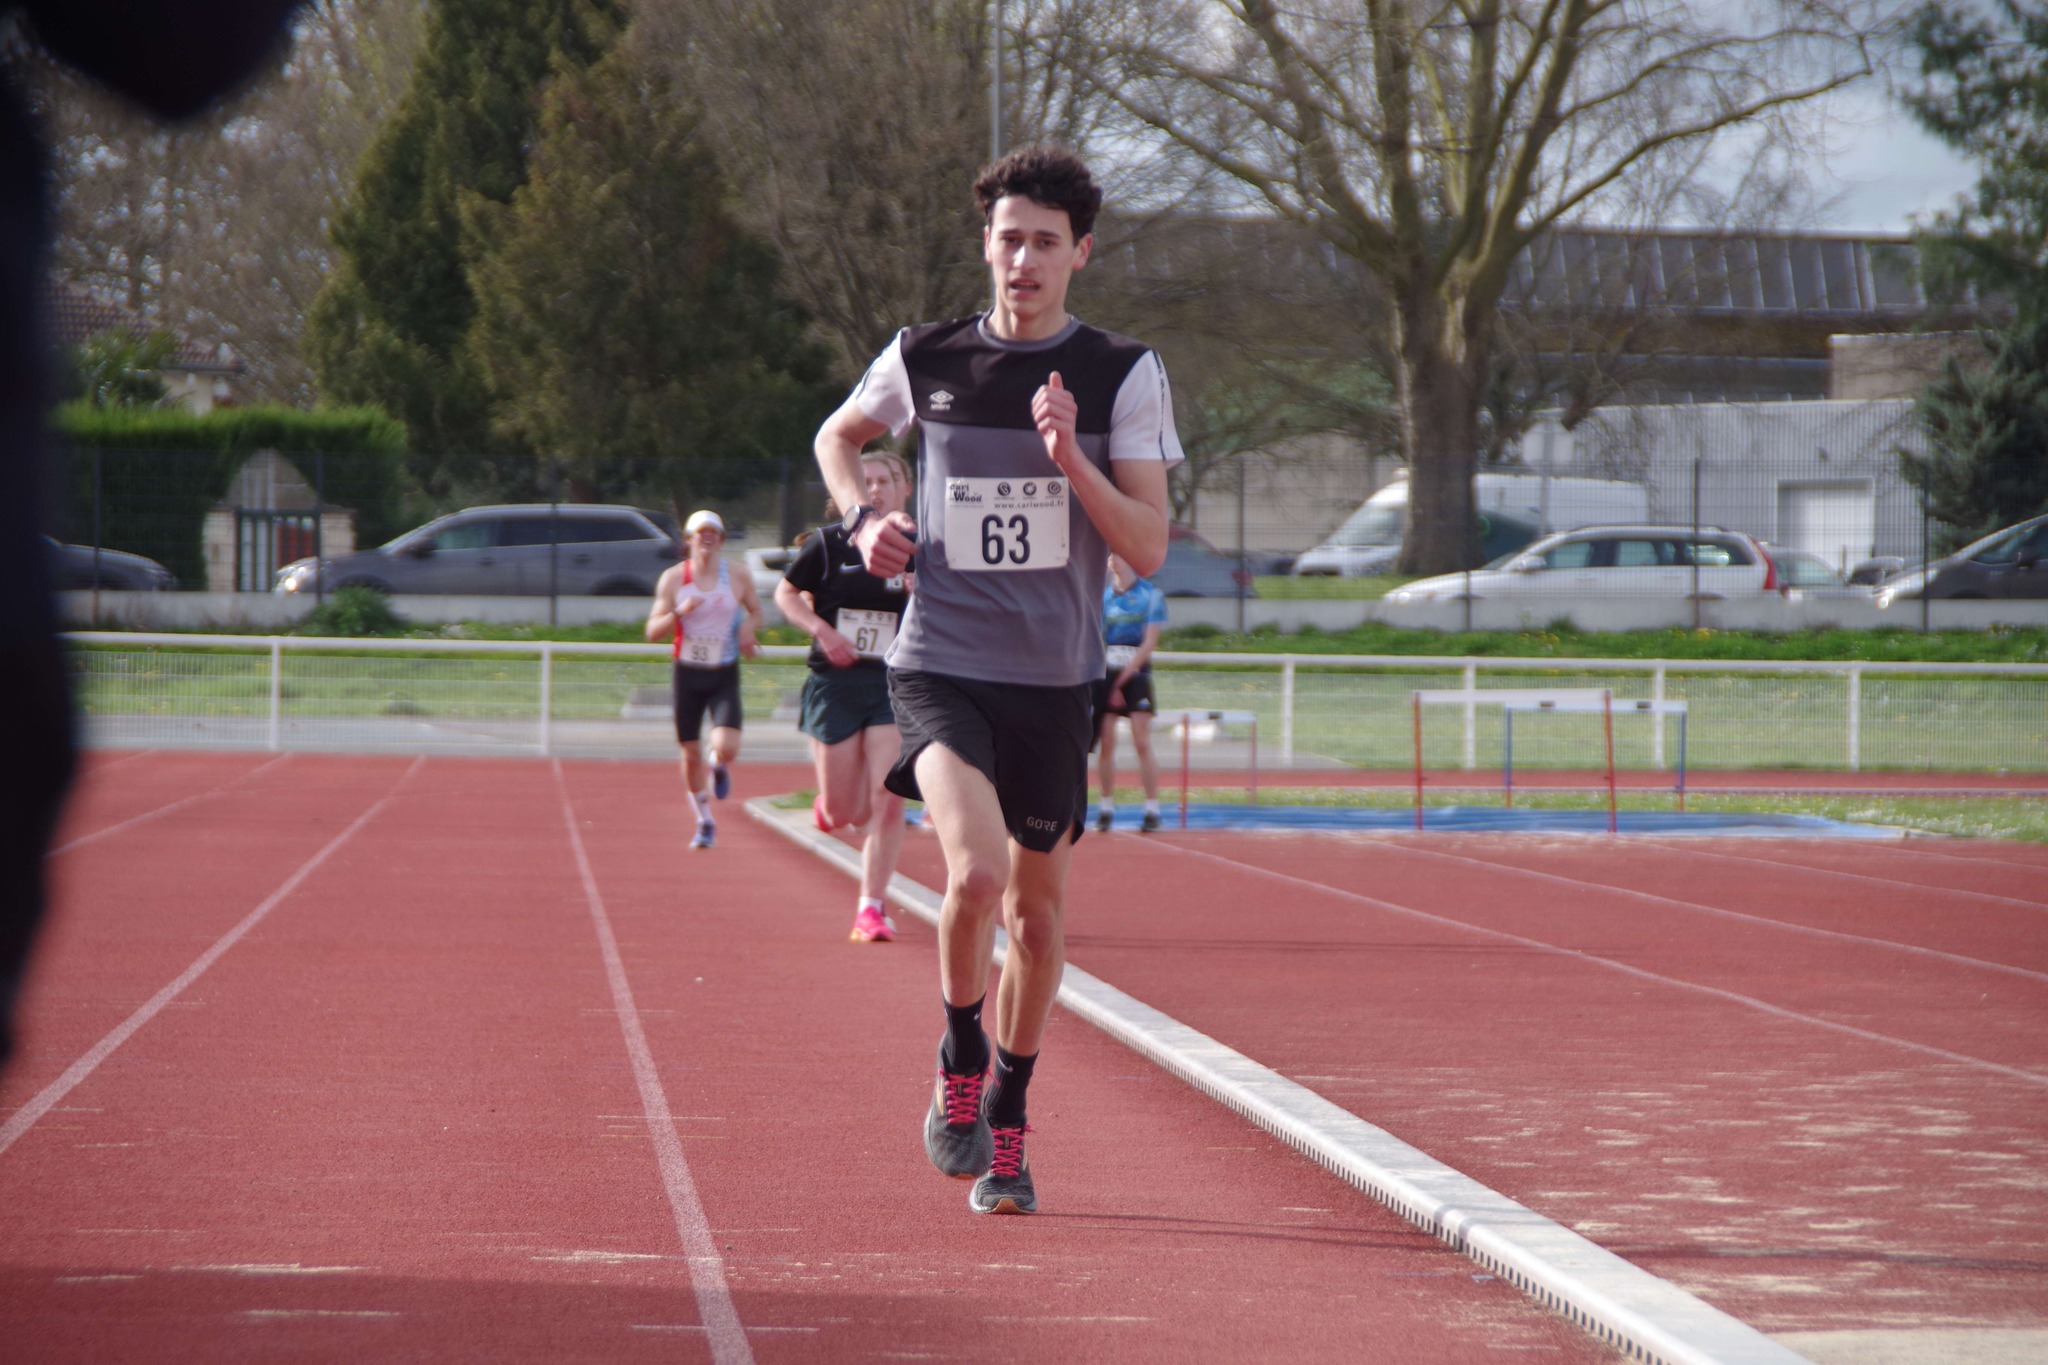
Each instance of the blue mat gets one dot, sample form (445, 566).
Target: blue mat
(1510, 820)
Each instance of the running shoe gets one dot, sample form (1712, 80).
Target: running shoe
(871, 926)
(1007, 1186)
(707, 834)
(721, 781)
(1104, 819)
(955, 1134)
(818, 813)
(1150, 824)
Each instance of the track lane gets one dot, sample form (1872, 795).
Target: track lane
(1171, 1231)
(1797, 1179)
(400, 1125)
(130, 913)
(104, 804)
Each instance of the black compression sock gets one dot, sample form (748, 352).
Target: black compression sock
(1006, 1091)
(965, 1052)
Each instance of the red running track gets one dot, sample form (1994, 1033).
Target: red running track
(1806, 1081)
(397, 1114)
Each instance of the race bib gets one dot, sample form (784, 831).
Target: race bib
(999, 525)
(870, 632)
(1119, 656)
(701, 651)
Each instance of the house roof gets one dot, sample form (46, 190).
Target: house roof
(75, 316)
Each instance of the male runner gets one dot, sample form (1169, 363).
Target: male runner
(1133, 611)
(713, 616)
(1045, 445)
(852, 618)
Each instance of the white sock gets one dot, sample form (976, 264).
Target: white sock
(1152, 806)
(1108, 806)
(871, 903)
(700, 806)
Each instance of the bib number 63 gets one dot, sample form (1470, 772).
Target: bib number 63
(995, 549)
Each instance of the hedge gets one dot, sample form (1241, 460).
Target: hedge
(160, 471)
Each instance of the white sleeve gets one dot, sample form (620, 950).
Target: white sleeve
(884, 391)
(1141, 422)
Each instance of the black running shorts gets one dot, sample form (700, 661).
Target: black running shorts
(840, 703)
(1137, 697)
(697, 690)
(1030, 742)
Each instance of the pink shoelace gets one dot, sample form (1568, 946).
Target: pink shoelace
(963, 1097)
(1008, 1162)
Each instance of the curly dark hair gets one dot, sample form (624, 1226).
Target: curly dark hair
(1047, 175)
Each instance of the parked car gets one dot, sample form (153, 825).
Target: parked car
(76, 568)
(582, 549)
(1805, 573)
(2008, 563)
(1869, 573)
(1195, 568)
(766, 565)
(1512, 508)
(1614, 561)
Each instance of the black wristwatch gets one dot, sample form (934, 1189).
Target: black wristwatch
(854, 520)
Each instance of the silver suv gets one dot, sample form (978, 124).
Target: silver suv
(580, 549)
(1618, 561)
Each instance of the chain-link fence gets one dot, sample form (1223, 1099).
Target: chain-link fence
(151, 520)
(1688, 504)
(1723, 503)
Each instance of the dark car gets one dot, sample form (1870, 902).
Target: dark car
(2008, 563)
(78, 568)
(1195, 568)
(531, 549)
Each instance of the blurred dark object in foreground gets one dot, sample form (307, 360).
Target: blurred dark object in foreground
(175, 57)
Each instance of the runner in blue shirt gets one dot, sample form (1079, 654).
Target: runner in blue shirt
(1132, 613)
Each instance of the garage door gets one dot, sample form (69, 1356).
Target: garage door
(1838, 520)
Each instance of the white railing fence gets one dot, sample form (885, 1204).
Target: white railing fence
(527, 697)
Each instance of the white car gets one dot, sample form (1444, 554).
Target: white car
(1613, 561)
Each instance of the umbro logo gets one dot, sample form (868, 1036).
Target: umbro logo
(942, 401)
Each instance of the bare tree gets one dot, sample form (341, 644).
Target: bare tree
(217, 229)
(1433, 142)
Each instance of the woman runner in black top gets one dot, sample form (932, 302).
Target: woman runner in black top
(852, 618)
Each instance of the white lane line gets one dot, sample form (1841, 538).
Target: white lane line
(25, 1117)
(728, 1338)
(2017, 861)
(95, 769)
(82, 840)
(1594, 959)
(1889, 883)
(1582, 883)
(1613, 1299)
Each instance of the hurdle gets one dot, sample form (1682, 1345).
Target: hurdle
(1583, 700)
(1626, 707)
(1186, 719)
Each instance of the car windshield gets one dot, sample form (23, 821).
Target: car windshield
(1369, 525)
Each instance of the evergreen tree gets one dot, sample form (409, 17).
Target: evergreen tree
(391, 326)
(627, 327)
(1986, 463)
(1987, 421)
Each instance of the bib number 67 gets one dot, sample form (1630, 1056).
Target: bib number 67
(993, 547)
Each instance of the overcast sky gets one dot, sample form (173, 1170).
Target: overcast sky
(1885, 170)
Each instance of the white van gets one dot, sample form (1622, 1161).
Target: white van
(1514, 510)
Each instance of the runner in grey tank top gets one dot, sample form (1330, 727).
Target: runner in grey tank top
(1044, 445)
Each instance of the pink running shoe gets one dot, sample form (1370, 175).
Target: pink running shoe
(871, 926)
(818, 813)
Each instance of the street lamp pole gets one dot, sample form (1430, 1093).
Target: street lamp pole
(995, 84)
